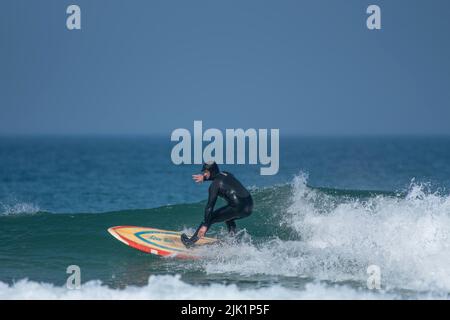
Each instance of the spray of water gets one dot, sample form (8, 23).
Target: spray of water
(340, 237)
(18, 208)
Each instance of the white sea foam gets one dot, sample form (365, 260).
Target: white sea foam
(172, 287)
(19, 208)
(407, 237)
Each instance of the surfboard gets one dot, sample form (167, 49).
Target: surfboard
(157, 241)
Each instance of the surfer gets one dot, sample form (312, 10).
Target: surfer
(224, 185)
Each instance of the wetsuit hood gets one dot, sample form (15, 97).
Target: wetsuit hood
(213, 169)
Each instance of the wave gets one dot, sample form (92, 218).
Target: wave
(296, 231)
(407, 237)
(173, 288)
(339, 238)
(324, 237)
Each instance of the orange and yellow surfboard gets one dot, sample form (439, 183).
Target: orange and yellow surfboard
(157, 241)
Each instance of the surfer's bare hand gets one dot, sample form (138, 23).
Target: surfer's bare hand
(197, 178)
(201, 232)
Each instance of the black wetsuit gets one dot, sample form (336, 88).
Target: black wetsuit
(239, 203)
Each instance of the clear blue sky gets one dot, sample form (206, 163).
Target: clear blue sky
(306, 67)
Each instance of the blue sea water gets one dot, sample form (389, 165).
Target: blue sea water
(336, 206)
(100, 173)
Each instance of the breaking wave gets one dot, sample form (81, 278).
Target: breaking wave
(312, 242)
(172, 287)
(324, 237)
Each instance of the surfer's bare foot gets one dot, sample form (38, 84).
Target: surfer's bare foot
(202, 231)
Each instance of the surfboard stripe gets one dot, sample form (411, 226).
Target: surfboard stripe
(139, 235)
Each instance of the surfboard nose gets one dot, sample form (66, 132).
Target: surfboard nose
(113, 232)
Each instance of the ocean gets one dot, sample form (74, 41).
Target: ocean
(337, 206)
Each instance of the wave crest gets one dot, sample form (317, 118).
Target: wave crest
(163, 287)
(18, 209)
(336, 238)
(407, 237)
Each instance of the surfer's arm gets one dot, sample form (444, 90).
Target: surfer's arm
(212, 198)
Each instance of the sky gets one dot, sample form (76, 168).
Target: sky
(151, 66)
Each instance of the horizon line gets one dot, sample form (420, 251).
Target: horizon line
(160, 134)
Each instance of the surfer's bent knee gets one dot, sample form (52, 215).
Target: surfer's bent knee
(247, 207)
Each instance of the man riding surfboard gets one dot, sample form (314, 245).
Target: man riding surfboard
(224, 185)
